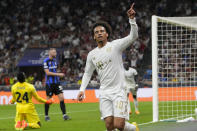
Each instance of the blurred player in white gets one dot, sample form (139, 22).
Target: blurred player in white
(132, 87)
(106, 58)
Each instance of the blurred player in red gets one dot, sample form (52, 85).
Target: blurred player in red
(26, 115)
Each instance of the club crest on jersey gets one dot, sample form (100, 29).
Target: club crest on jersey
(108, 49)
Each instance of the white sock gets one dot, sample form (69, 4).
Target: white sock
(129, 106)
(129, 127)
(136, 104)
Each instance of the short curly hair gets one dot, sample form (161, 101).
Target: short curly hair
(21, 77)
(105, 25)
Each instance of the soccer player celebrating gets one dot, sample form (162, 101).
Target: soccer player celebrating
(107, 60)
(132, 86)
(53, 83)
(22, 93)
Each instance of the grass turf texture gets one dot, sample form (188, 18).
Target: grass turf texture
(85, 117)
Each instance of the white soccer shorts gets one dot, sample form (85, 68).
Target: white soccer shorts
(114, 105)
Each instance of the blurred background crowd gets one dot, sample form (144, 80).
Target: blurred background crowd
(67, 24)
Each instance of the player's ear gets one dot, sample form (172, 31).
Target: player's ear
(107, 35)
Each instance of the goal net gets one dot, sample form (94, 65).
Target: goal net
(174, 67)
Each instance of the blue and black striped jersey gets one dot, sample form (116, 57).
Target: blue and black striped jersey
(51, 64)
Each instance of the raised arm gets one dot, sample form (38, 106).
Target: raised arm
(125, 42)
(86, 77)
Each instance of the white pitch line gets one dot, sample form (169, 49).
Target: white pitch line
(12, 117)
(75, 112)
(7, 118)
(146, 123)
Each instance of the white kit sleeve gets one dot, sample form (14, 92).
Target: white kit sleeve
(87, 74)
(123, 43)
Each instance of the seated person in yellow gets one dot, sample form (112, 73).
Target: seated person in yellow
(22, 93)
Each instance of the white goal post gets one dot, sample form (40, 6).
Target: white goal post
(174, 67)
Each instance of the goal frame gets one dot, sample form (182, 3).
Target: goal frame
(155, 69)
(155, 83)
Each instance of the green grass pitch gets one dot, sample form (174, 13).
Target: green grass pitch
(85, 117)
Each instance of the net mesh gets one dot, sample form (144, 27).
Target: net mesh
(177, 70)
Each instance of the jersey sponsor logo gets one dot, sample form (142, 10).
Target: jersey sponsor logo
(94, 58)
(53, 67)
(101, 65)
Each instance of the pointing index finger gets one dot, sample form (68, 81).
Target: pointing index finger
(132, 5)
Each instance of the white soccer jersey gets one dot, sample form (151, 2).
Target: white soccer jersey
(108, 63)
(129, 77)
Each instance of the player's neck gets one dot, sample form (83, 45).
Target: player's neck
(50, 57)
(101, 43)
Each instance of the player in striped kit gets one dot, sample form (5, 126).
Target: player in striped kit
(53, 83)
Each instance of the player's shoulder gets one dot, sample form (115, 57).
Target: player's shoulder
(15, 85)
(46, 59)
(114, 42)
(28, 85)
(132, 70)
(54, 59)
(92, 52)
